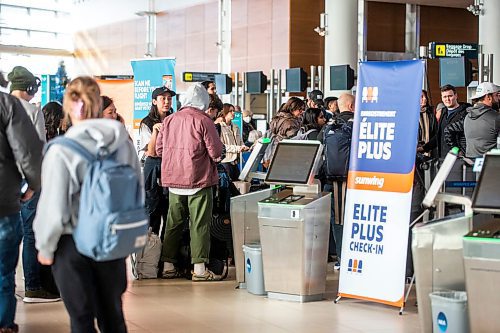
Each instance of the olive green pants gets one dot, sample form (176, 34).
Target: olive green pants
(198, 209)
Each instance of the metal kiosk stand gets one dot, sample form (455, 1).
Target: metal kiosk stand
(482, 252)
(437, 245)
(244, 222)
(294, 225)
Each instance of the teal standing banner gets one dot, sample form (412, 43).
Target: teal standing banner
(48, 89)
(149, 74)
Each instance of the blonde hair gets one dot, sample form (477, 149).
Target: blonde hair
(86, 89)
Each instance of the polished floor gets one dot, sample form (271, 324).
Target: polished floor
(182, 306)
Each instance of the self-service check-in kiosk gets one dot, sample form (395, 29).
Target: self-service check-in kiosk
(437, 245)
(481, 252)
(244, 222)
(294, 224)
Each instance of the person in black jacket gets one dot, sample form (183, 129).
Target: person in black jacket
(454, 112)
(338, 186)
(20, 149)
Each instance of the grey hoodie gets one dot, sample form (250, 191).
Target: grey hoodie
(62, 175)
(480, 131)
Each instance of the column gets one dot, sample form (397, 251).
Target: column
(489, 33)
(341, 39)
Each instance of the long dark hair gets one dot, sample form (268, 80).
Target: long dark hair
(225, 110)
(53, 114)
(427, 102)
(106, 101)
(310, 120)
(152, 118)
(294, 103)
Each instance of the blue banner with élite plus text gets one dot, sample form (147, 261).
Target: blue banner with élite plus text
(380, 181)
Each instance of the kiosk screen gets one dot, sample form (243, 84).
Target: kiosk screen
(292, 163)
(486, 195)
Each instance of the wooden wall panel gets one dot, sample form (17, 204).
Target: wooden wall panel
(439, 24)
(386, 32)
(306, 46)
(385, 27)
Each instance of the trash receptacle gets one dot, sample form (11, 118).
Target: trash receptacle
(449, 312)
(254, 273)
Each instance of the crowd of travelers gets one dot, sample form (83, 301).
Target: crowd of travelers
(187, 156)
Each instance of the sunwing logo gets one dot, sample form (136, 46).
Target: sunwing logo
(370, 94)
(355, 266)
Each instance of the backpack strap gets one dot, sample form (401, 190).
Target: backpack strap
(310, 131)
(73, 145)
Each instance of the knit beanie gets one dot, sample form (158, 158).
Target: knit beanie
(20, 78)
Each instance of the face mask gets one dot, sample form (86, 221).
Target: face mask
(77, 109)
(247, 119)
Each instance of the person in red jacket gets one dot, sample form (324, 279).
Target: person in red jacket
(190, 149)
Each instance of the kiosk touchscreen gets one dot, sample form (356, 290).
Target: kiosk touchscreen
(294, 224)
(249, 171)
(486, 197)
(294, 163)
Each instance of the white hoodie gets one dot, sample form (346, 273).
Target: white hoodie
(62, 175)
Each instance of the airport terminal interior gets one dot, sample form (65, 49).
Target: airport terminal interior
(352, 186)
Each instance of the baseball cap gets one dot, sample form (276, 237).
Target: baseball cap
(316, 96)
(161, 91)
(485, 88)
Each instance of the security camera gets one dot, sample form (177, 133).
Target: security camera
(476, 8)
(320, 31)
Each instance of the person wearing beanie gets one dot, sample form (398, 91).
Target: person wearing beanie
(190, 148)
(24, 85)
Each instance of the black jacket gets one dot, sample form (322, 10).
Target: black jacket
(438, 141)
(19, 146)
(343, 116)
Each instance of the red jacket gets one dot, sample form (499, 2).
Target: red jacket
(189, 145)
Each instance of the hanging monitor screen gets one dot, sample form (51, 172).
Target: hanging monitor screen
(293, 162)
(486, 196)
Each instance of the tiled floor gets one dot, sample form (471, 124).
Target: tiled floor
(182, 306)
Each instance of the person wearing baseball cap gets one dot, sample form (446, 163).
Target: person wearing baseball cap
(479, 125)
(156, 199)
(315, 99)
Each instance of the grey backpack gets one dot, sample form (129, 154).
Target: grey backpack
(145, 261)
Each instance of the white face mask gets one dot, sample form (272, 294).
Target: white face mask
(247, 119)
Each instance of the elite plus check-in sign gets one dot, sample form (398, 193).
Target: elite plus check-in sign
(380, 181)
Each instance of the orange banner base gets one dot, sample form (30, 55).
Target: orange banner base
(399, 303)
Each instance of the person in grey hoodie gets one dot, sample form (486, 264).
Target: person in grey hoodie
(20, 151)
(479, 124)
(89, 289)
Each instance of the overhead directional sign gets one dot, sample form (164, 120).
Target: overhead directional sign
(453, 50)
(198, 76)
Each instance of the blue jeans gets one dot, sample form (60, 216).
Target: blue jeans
(10, 238)
(31, 266)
